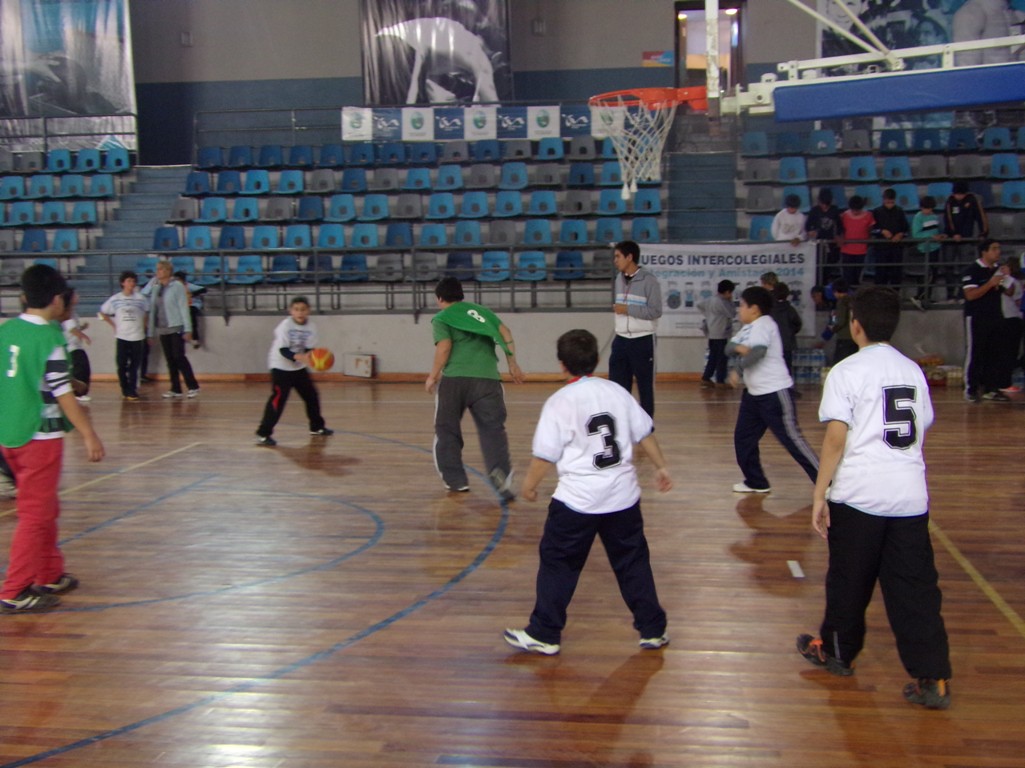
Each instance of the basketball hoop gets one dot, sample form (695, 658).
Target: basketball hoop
(638, 122)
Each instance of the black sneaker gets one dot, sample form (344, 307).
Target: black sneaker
(65, 583)
(323, 431)
(997, 396)
(29, 601)
(268, 441)
(931, 694)
(811, 648)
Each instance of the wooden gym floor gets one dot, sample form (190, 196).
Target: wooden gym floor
(326, 603)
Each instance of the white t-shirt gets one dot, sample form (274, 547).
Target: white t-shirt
(71, 341)
(769, 374)
(298, 338)
(883, 398)
(129, 313)
(789, 226)
(588, 429)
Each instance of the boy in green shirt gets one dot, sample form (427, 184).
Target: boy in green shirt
(36, 404)
(465, 374)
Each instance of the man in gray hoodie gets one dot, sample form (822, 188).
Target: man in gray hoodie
(637, 307)
(719, 313)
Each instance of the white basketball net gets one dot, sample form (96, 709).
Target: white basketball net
(638, 134)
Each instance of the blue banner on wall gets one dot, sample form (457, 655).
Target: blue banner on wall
(387, 124)
(512, 122)
(448, 123)
(576, 120)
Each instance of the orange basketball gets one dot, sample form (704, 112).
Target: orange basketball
(321, 359)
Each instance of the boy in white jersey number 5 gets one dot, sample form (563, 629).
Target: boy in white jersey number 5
(872, 505)
(588, 430)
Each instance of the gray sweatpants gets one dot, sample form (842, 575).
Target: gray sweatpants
(485, 399)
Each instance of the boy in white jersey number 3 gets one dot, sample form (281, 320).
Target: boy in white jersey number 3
(588, 430)
(872, 505)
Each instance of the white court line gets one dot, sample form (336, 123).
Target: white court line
(795, 569)
(103, 478)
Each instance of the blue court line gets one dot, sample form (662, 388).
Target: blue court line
(342, 645)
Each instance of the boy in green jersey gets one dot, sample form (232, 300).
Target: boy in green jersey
(36, 404)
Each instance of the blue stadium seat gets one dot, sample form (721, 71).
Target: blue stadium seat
(71, 185)
(229, 182)
(209, 158)
(495, 267)
(53, 213)
(39, 186)
(508, 203)
(375, 208)
(199, 238)
(440, 205)
(320, 268)
(300, 156)
(1012, 195)
(146, 268)
(117, 160)
(514, 176)
(573, 231)
(531, 266)
(84, 213)
(789, 143)
(240, 157)
(907, 196)
(871, 193)
(232, 238)
(754, 143)
(270, 156)
(186, 264)
(391, 153)
(450, 177)
(486, 150)
(284, 268)
(266, 237)
(58, 161)
(12, 188)
(862, 169)
(290, 182)
(822, 142)
(609, 230)
(248, 270)
(984, 191)
(417, 179)
(330, 235)
(353, 268)
(341, 208)
(423, 152)
(298, 237)
(648, 202)
(257, 182)
(398, 234)
(802, 192)
(537, 232)
(551, 148)
(244, 209)
(354, 180)
(569, 265)
(198, 183)
(893, 140)
(459, 264)
(310, 209)
(361, 153)
(760, 230)
(610, 174)
(839, 194)
(331, 156)
(1004, 165)
(644, 229)
(212, 211)
(542, 203)
(474, 205)
(608, 150)
(611, 203)
(997, 138)
(364, 235)
(212, 271)
(21, 214)
(940, 190)
(792, 170)
(467, 232)
(433, 236)
(166, 239)
(580, 175)
(897, 168)
(962, 140)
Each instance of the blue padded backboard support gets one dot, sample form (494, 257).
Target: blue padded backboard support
(900, 92)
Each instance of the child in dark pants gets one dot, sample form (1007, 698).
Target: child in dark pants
(288, 357)
(588, 430)
(871, 504)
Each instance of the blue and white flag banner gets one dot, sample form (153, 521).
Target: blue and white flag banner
(576, 120)
(448, 123)
(512, 122)
(543, 123)
(357, 124)
(480, 123)
(690, 272)
(418, 124)
(607, 122)
(388, 124)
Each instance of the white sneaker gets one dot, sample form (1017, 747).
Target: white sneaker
(745, 488)
(518, 638)
(7, 487)
(654, 643)
(171, 395)
(193, 393)
(84, 399)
